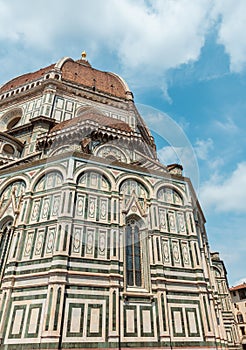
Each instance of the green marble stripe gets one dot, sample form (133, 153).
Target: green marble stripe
(206, 312)
(87, 296)
(195, 294)
(17, 335)
(30, 297)
(114, 311)
(175, 277)
(65, 268)
(49, 310)
(163, 312)
(34, 306)
(3, 304)
(181, 301)
(182, 269)
(75, 287)
(57, 309)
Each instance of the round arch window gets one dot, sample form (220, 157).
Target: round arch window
(11, 118)
(13, 123)
(8, 149)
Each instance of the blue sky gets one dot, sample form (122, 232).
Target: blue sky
(186, 59)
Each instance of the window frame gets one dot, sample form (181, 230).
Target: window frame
(134, 274)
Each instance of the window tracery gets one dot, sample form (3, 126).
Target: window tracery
(132, 187)
(169, 195)
(4, 241)
(133, 254)
(16, 187)
(48, 206)
(49, 181)
(92, 179)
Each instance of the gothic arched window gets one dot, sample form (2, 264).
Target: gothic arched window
(4, 241)
(95, 180)
(47, 199)
(133, 254)
(240, 317)
(49, 181)
(17, 188)
(132, 187)
(169, 195)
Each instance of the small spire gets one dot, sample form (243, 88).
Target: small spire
(83, 56)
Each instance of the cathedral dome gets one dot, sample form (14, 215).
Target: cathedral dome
(25, 79)
(77, 72)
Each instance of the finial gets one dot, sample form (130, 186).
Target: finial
(83, 55)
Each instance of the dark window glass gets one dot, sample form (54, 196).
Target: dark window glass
(133, 255)
(240, 318)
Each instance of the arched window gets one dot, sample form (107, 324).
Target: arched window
(8, 149)
(132, 187)
(49, 181)
(4, 241)
(13, 123)
(91, 179)
(169, 195)
(240, 317)
(16, 187)
(47, 200)
(133, 254)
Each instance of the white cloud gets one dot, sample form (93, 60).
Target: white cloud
(153, 37)
(168, 155)
(232, 31)
(165, 93)
(228, 125)
(144, 38)
(184, 156)
(202, 148)
(226, 195)
(241, 281)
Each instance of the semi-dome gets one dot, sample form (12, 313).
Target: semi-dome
(95, 116)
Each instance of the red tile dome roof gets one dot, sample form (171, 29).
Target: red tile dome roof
(77, 72)
(26, 78)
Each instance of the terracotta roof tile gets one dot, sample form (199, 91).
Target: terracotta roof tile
(23, 79)
(93, 78)
(79, 72)
(240, 286)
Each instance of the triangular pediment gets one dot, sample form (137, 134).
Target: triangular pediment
(133, 207)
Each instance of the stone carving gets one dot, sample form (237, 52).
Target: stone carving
(50, 241)
(35, 211)
(181, 222)
(176, 252)
(89, 242)
(92, 207)
(103, 209)
(80, 206)
(111, 152)
(185, 252)
(56, 206)
(166, 252)
(102, 243)
(46, 207)
(39, 243)
(171, 220)
(28, 244)
(76, 240)
(163, 219)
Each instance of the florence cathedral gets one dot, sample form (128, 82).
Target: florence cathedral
(101, 245)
